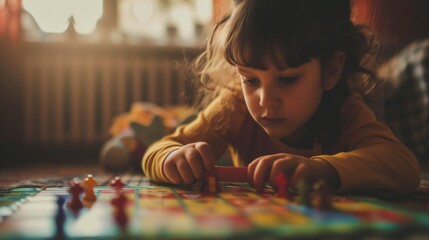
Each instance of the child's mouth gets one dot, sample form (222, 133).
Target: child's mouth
(271, 120)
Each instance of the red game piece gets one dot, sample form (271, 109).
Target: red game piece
(89, 183)
(75, 190)
(117, 184)
(282, 186)
(211, 184)
(231, 174)
(120, 215)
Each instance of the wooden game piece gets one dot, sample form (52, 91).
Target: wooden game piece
(89, 183)
(210, 183)
(60, 218)
(117, 184)
(304, 193)
(120, 215)
(324, 200)
(75, 190)
(283, 186)
(231, 174)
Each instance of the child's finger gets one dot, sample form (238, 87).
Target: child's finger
(195, 162)
(301, 172)
(185, 171)
(285, 165)
(172, 173)
(251, 171)
(206, 154)
(261, 174)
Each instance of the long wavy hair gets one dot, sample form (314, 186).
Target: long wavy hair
(300, 30)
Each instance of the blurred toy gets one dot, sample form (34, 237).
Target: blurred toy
(133, 132)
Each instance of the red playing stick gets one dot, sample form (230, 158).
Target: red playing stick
(231, 174)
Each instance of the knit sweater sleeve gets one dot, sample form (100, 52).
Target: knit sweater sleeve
(214, 125)
(372, 158)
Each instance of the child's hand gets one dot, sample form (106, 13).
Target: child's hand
(266, 168)
(189, 163)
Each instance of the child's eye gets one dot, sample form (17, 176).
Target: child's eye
(250, 81)
(288, 80)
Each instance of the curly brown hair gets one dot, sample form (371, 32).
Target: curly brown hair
(300, 30)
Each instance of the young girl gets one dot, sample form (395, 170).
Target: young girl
(285, 75)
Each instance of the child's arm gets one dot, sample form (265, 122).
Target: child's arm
(382, 166)
(370, 157)
(212, 126)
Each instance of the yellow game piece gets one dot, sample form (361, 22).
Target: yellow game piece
(89, 183)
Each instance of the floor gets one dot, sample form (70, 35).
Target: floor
(45, 175)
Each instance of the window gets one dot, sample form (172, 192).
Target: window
(154, 20)
(54, 16)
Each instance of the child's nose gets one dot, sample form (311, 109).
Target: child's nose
(269, 98)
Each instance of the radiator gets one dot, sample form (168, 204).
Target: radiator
(73, 97)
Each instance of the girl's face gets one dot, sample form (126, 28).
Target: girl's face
(282, 101)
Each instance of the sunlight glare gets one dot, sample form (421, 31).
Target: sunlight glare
(86, 15)
(203, 11)
(143, 10)
(53, 16)
(182, 16)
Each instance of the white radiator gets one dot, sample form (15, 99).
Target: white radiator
(73, 98)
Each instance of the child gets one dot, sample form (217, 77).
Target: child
(283, 72)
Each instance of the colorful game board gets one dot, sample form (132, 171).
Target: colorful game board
(163, 211)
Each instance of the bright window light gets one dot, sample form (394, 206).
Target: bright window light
(203, 11)
(53, 16)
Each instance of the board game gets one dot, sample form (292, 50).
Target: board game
(165, 211)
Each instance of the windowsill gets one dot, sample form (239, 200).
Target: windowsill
(148, 47)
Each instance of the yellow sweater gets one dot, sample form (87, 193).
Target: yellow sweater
(367, 156)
